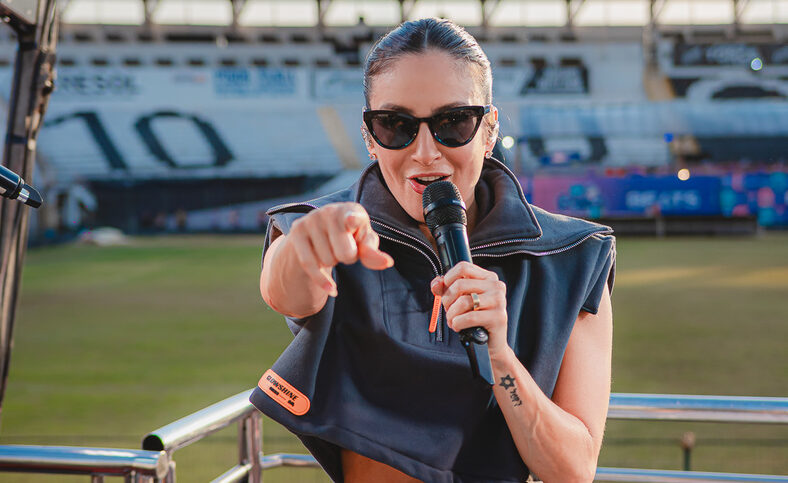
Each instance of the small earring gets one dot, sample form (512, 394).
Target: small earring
(373, 157)
(488, 154)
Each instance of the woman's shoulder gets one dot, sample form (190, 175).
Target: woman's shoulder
(525, 226)
(585, 249)
(562, 231)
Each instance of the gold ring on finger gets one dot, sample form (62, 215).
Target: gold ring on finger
(476, 303)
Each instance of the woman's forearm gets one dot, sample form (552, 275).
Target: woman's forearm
(556, 446)
(285, 286)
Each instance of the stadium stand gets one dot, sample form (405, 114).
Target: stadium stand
(141, 105)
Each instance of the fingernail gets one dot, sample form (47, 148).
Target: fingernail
(350, 215)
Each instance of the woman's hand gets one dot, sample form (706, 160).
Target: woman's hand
(335, 233)
(296, 278)
(455, 289)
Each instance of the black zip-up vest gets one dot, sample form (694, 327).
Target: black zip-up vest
(366, 374)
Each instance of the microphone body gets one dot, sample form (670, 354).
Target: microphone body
(444, 212)
(452, 241)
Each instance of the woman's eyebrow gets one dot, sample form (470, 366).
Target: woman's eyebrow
(397, 107)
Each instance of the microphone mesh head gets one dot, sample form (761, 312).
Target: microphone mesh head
(442, 205)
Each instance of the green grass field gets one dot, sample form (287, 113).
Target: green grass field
(111, 343)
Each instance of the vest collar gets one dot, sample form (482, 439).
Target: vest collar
(504, 213)
(506, 224)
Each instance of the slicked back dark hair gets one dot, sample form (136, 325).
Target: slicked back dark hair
(420, 36)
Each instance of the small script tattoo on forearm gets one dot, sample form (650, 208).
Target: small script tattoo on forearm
(507, 382)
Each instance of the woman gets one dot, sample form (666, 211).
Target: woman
(376, 383)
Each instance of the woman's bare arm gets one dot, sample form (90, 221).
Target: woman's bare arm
(281, 275)
(560, 439)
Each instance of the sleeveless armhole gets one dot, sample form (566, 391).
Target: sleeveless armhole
(280, 224)
(604, 274)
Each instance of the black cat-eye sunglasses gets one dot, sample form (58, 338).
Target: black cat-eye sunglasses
(453, 127)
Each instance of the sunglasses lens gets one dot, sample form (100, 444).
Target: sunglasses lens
(393, 130)
(456, 128)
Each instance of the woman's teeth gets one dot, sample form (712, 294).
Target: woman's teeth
(428, 179)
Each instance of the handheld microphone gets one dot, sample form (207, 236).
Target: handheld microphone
(12, 186)
(444, 212)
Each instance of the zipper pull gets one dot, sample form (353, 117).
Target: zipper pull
(436, 310)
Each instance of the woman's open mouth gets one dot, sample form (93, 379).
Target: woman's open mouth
(418, 183)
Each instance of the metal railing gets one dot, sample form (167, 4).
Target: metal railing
(622, 406)
(196, 426)
(155, 460)
(723, 409)
(134, 465)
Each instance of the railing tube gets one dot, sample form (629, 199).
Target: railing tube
(96, 462)
(671, 476)
(675, 407)
(199, 425)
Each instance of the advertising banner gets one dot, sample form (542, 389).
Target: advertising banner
(764, 195)
(739, 53)
(190, 86)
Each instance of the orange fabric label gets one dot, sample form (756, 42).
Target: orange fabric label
(286, 395)
(436, 310)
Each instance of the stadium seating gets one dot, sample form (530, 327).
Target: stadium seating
(193, 103)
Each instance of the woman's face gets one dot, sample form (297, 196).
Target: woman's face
(422, 85)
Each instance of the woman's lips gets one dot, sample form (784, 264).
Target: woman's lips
(417, 187)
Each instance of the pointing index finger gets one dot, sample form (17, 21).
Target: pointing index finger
(358, 223)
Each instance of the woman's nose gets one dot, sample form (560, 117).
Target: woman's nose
(425, 149)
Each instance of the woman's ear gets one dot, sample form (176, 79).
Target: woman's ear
(368, 142)
(494, 131)
(367, 137)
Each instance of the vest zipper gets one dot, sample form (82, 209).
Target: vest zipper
(436, 269)
(529, 252)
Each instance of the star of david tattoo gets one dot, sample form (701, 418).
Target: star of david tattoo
(507, 381)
